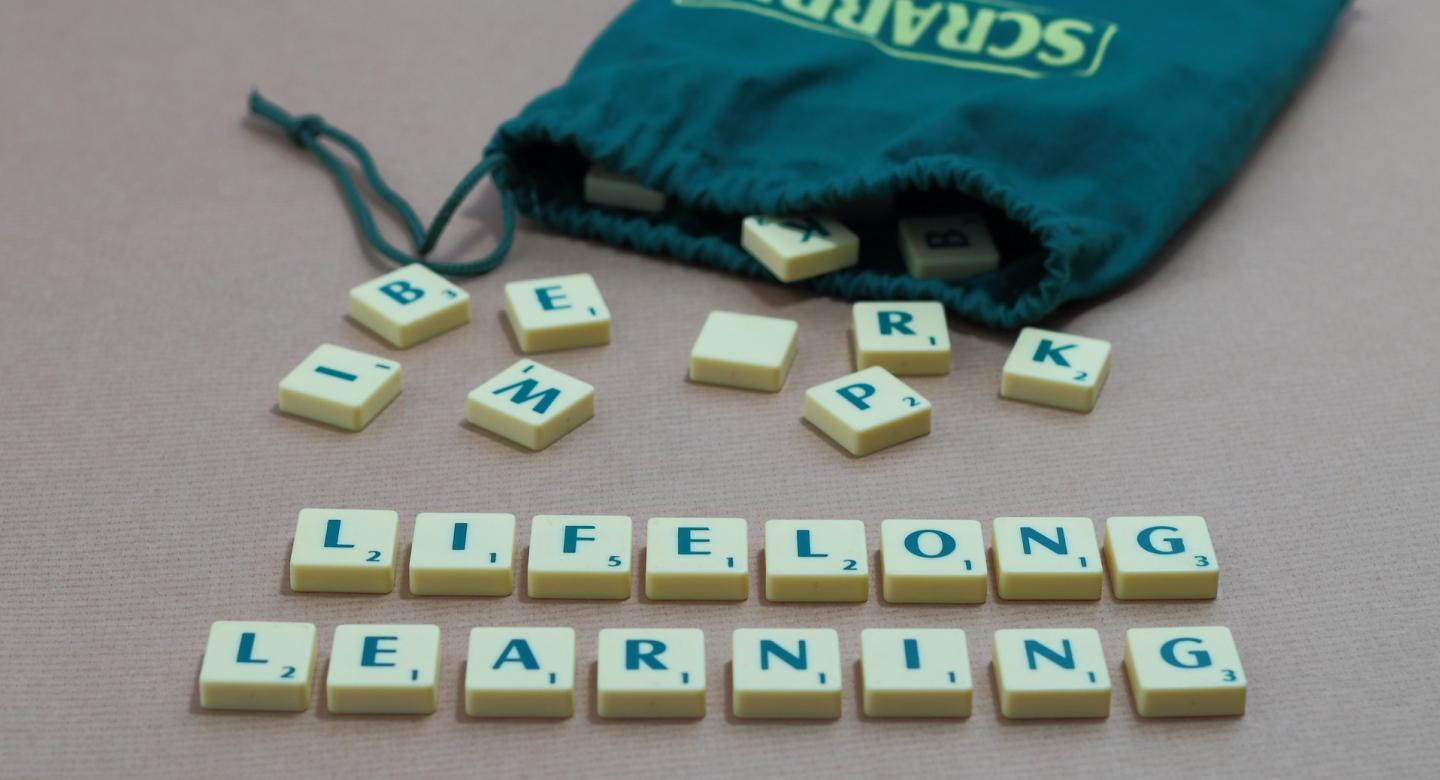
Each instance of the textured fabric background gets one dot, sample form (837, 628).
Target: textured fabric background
(165, 263)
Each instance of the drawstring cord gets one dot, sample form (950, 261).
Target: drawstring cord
(307, 130)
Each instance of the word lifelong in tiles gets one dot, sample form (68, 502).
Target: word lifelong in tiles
(529, 672)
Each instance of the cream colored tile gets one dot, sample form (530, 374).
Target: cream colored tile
(579, 557)
(462, 554)
(697, 559)
(1051, 673)
(409, 305)
(604, 187)
(816, 560)
(340, 387)
(383, 669)
(650, 673)
(531, 404)
(558, 312)
(256, 665)
(1161, 558)
(786, 673)
(1184, 672)
(799, 247)
(1056, 369)
(950, 247)
(933, 562)
(902, 337)
(744, 351)
(344, 551)
(1046, 558)
(915, 673)
(520, 673)
(867, 411)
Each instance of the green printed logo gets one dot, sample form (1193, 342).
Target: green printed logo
(995, 36)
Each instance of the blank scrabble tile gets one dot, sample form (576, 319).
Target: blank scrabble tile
(785, 673)
(531, 404)
(915, 673)
(1046, 558)
(463, 554)
(650, 673)
(383, 669)
(520, 673)
(254, 665)
(816, 560)
(1056, 369)
(795, 248)
(902, 337)
(867, 411)
(604, 187)
(409, 305)
(744, 351)
(344, 551)
(1051, 673)
(1185, 671)
(697, 559)
(559, 312)
(933, 562)
(340, 387)
(1161, 558)
(579, 557)
(949, 247)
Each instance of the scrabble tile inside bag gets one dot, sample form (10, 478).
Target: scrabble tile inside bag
(383, 669)
(650, 673)
(1184, 671)
(604, 187)
(867, 411)
(950, 248)
(409, 305)
(520, 673)
(785, 673)
(799, 247)
(340, 387)
(255, 665)
(559, 312)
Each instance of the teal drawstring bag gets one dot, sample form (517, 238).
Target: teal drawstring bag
(1086, 131)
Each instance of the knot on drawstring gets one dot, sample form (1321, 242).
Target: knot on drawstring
(307, 130)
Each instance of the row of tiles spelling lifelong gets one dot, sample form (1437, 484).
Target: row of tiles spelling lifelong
(534, 405)
(707, 559)
(775, 673)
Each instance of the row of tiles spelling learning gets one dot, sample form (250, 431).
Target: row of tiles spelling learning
(534, 405)
(775, 673)
(922, 561)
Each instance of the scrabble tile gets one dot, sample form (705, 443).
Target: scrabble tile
(409, 305)
(933, 562)
(1182, 672)
(795, 248)
(463, 555)
(604, 187)
(785, 673)
(867, 411)
(559, 312)
(650, 673)
(1051, 673)
(1056, 369)
(340, 387)
(902, 337)
(520, 673)
(1161, 558)
(816, 560)
(1046, 558)
(344, 551)
(531, 405)
(950, 248)
(380, 669)
(579, 557)
(252, 665)
(744, 351)
(915, 673)
(697, 559)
